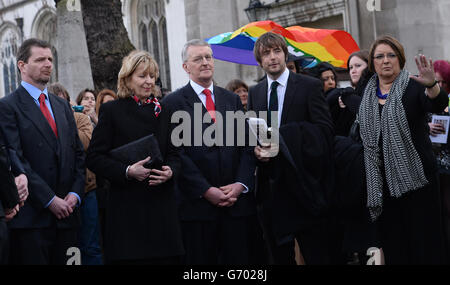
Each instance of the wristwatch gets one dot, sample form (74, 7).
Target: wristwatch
(432, 85)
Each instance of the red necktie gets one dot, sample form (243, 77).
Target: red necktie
(210, 104)
(47, 114)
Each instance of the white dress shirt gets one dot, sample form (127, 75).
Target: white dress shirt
(199, 90)
(281, 91)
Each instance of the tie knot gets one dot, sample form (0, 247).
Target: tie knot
(41, 98)
(207, 92)
(274, 85)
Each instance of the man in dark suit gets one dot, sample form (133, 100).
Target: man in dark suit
(293, 186)
(41, 130)
(215, 186)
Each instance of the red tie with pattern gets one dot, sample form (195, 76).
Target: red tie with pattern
(210, 104)
(47, 114)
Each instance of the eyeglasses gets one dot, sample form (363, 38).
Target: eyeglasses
(382, 56)
(441, 82)
(199, 59)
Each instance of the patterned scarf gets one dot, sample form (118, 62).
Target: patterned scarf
(403, 167)
(150, 100)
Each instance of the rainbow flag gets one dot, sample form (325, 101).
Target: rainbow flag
(332, 46)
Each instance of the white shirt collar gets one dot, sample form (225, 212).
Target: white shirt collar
(282, 80)
(199, 89)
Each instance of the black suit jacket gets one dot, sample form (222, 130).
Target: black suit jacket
(204, 167)
(304, 107)
(53, 166)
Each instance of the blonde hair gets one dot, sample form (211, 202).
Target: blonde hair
(129, 66)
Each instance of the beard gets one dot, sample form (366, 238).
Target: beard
(43, 80)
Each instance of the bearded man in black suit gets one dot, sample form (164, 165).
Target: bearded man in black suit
(294, 186)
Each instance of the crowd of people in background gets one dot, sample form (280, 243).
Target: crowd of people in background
(354, 168)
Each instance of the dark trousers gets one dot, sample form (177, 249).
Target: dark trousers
(314, 242)
(89, 234)
(225, 241)
(3, 242)
(445, 198)
(102, 196)
(41, 246)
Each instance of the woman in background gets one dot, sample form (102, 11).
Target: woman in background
(327, 74)
(344, 102)
(239, 87)
(86, 98)
(104, 96)
(442, 151)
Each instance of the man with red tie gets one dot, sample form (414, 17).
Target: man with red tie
(40, 127)
(216, 183)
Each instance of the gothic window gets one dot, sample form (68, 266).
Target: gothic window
(166, 51)
(157, 9)
(6, 79)
(144, 40)
(153, 35)
(9, 43)
(155, 41)
(12, 74)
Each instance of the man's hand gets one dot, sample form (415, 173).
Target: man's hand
(261, 153)
(341, 104)
(60, 208)
(161, 177)
(10, 213)
(216, 196)
(436, 129)
(265, 152)
(233, 191)
(138, 171)
(72, 200)
(22, 188)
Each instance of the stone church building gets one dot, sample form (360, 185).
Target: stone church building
(163, 26)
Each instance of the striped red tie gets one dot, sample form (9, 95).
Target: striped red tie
(210, 104)
(47, 114)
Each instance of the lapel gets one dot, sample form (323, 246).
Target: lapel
(34, 114)
(220, 101)
(261, 96)
(288, 96)
(191, 98)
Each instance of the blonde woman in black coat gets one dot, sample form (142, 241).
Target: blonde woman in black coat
(141, 221)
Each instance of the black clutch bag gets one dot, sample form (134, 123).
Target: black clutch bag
(354, 131)
(140, 149)
(9, 196)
